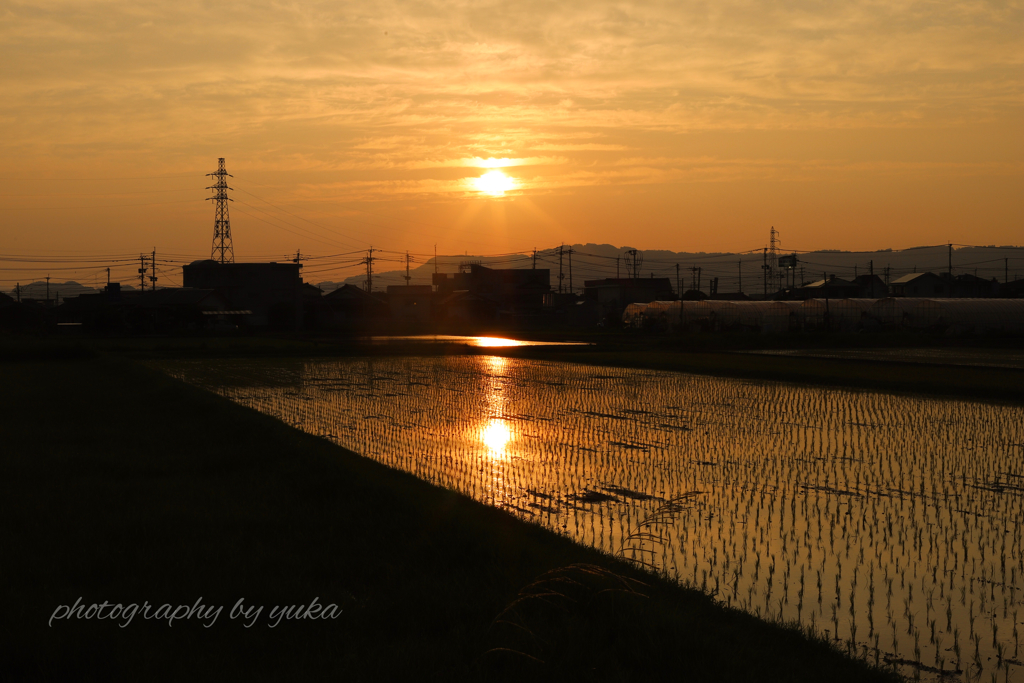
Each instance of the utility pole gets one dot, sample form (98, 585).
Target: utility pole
(369, 270)
(560, 275)
(435, 258)
(407, 276)
(698, 278)
(950, 259)
(108, 276)
(152, 265)
(17, 290)
(535, 258)
(223, 251)
(634, 260)
(617, 267)
(570, 270)
(142, 272)
(764, 267)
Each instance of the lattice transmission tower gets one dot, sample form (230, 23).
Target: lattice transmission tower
(222, 251)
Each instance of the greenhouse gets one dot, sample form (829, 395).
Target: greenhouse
(959, 316)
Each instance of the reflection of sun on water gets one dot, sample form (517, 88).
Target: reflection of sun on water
(495, 341)
(496, 435)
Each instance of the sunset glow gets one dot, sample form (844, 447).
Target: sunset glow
(678, 126)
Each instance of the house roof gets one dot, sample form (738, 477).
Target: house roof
(832, 282)
(910, 278)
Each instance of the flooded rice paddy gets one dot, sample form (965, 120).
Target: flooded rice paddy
(892, 524)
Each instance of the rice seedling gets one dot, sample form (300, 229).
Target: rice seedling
(883, 518)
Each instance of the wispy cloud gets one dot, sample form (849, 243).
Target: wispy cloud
(410, 98)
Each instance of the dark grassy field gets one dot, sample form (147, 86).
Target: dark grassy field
(120, 484)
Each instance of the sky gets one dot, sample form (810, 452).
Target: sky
(684, 125)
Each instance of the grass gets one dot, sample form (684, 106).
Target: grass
(124, 485)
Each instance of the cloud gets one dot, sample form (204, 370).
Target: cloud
(400, 99)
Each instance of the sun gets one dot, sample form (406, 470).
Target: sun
(494, 183)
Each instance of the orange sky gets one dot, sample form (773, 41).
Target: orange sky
(674, 125)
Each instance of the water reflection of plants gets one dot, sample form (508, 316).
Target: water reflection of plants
(892, 524)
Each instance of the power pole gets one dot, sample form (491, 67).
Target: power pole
(560, 275)
(570, 270)
(634, 259)
(435, 259)
(407, 276)
(950, 271)
(535, 258)
(222, 251)
(47, 289)
(369, 270)
(764, 267)
(698, 278)
(142, 272)
(17, 291)
(108, 276)
(152, 266)
(617, 267)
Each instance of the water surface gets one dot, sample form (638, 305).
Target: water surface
(891, 523)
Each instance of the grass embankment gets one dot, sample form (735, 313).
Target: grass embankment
(123, 485)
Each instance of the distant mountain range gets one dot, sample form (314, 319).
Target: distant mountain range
(596, 261)
(735, 271)
(65, 290)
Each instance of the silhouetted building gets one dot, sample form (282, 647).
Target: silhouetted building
(930, 285)
(513, 290)
(353, 309)
(971, 286)
(870, 287)
(1012, 290)
(831, 288)
(410, 303)
(612, 295)
(272, 292)
(161, 310)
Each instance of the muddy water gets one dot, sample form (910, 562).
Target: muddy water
(890, 523)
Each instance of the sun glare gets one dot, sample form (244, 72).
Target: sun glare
(495, 341)
(494, 183)
(496, 436)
